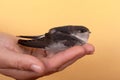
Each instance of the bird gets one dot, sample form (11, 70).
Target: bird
(58, 38)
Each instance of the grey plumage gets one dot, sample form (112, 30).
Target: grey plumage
(58, 38)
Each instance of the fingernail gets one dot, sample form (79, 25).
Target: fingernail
(36, 68)
(90, 51)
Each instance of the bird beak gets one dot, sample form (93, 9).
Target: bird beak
(89, 32)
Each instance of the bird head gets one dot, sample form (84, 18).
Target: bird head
(80, 32)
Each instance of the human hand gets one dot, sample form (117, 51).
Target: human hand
(29, 64)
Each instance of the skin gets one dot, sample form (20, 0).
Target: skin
(23, 63)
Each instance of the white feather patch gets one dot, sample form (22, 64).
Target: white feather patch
(81, 36)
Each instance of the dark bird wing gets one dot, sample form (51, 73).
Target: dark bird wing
(68, 40)
(35, 43)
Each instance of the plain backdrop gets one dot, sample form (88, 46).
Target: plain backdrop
(102, 17)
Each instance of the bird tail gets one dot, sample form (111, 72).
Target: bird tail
(29, 37)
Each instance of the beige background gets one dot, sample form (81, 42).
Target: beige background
(102, 17)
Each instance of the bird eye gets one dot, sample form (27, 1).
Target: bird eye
(83, 30)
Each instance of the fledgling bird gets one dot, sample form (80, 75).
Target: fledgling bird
(58, 39)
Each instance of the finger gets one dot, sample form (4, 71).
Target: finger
(89, 48)
(63, 57)
(69, 63)
(19, 74)
(30, 63)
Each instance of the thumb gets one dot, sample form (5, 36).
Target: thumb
(11, 60)
(28, 62)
